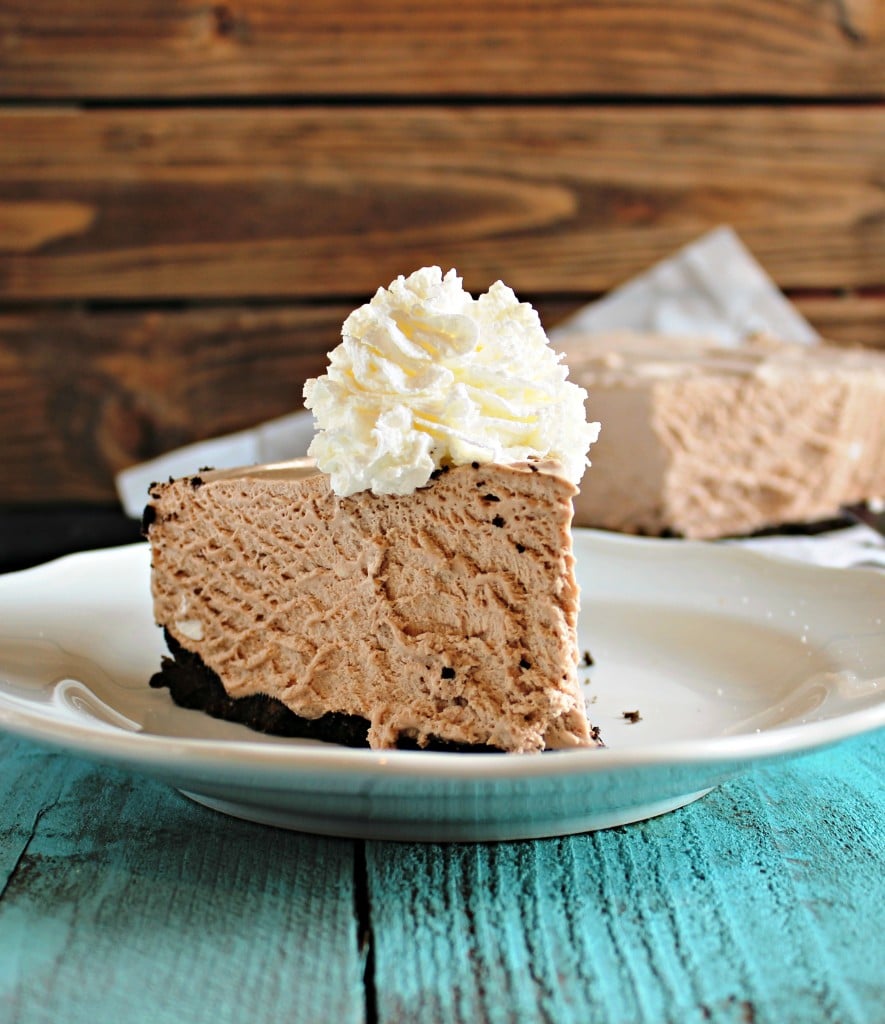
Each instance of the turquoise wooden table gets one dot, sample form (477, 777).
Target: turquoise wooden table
(121, 901)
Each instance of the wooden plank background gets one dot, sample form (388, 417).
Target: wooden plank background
(193, 196)
(187, 48)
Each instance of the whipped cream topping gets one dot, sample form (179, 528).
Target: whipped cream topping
(426, 376)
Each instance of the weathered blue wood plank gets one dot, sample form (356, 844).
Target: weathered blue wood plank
(761, 903)
(125, 902)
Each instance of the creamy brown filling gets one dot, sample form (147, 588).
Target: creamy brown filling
(447, 613)
(706, 442)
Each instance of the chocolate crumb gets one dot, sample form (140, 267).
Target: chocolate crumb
(207, 469)
(748, 1011)
(490, 497)
(447, 673)
(148, 517)
(632, 716)
(533, 467)
(520, 548)
(196, 481)
(594, 733)
(437, 473)
(498, 521)
(475, 465)
(524, 663)
(587, 659)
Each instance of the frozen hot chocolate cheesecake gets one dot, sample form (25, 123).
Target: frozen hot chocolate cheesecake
(412, 582)
(704, 441)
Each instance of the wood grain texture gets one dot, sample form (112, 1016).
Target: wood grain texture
(755, 904)
(325, 202)
(846, 319)
(83, 395)
(124, 902)
(760, 904)
(73, 49)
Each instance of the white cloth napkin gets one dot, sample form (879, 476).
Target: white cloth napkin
(854, 547)
(712, 288)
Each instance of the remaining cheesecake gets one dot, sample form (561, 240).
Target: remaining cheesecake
(703, 441)
(447, 616)
(414, 586)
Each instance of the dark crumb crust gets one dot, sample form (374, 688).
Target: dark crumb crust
(810, 529)
(194, 685)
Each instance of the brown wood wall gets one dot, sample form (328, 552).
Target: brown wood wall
(193, 195)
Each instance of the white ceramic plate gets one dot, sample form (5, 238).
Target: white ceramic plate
(730, 657)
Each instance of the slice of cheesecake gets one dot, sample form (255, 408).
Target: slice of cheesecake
(444, 618)
(704, 441)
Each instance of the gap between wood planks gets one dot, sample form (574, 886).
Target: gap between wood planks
(365, 938)
(23, 853)
(568, 300)
(269, 101)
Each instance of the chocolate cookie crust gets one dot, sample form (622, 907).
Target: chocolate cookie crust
(193, 685)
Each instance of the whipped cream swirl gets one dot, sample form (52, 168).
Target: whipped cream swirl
(426, 376)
